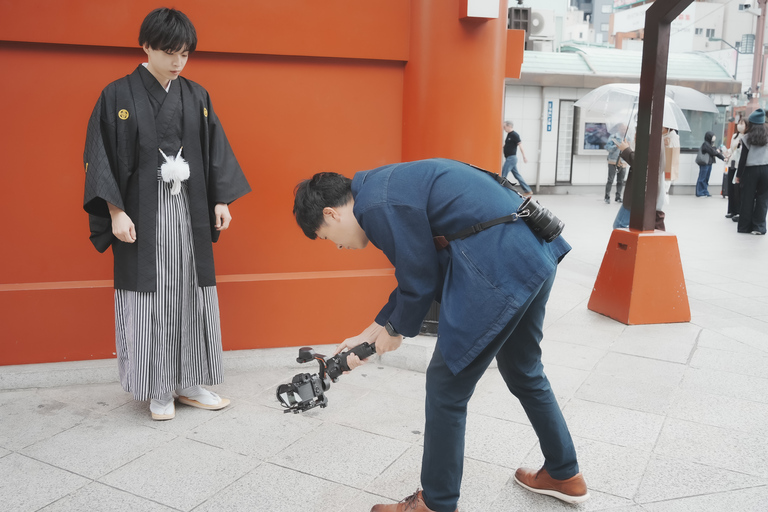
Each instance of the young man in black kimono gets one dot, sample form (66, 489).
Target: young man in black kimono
(159, 176)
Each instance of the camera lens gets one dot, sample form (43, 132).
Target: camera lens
(541, 221)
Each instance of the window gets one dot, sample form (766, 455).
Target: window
(519, 19)
(698, 31)
(604, 27)
(701, 123)
(710, 32)
(747, 43)
(607, 9)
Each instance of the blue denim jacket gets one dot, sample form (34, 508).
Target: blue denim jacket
(480, 281)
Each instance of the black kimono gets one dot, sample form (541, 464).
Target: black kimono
(121, 160)
(167, 324)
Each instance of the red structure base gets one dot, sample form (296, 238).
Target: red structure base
(641, 279)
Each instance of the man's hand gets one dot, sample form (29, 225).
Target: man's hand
(368, 335)
(623, 145)
(386, 343)
(122, 225)
(222, 216)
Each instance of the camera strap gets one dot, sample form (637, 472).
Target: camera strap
(441, 242)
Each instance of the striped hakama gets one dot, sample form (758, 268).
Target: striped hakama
(170, 337)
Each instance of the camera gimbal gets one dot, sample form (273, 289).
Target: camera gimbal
(305, 390)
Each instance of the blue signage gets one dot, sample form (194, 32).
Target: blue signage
(549, 116)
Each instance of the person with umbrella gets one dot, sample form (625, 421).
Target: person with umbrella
(622, 217)
(616, 166)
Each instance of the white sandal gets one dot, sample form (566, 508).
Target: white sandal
(199, 397)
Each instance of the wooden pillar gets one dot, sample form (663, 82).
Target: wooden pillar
(454, 84)
(641, 278)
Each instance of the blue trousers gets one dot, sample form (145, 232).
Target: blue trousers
(518, 353)
(702, 184)
(510, 164)
(622, 218)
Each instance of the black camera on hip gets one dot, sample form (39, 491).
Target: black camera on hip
(541, 221)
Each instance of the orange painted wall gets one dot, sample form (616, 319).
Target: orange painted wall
(300, 87)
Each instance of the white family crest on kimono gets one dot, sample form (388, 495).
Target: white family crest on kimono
(174, 169)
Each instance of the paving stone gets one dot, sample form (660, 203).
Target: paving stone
(665, 348)
(95, 397)
(570, 355)
(668, 479)
(745, 364)
(493, 398)
(628, 393)
(379, 413)
(181, 474)
(724, 383)
(34, 418)
(718, 341)
(748, 500)
(481, 484)
(611, 469)
(613, 425)
(401, 478)
(97, 446)
(727, 412)
(499, 442)
(28, 485)
(359, 456)
(253, 430)
(641, 369)
(269, 488)
(515, 497)
(96, 496)
(714, 446)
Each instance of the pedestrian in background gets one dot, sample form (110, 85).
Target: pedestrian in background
(735, 154)
(752, 175)
(622, 216)
(709, 153)
(671, 141)
(511, 145)
(616, 166)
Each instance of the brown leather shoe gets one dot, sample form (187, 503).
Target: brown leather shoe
(414, 503)
(572, 490)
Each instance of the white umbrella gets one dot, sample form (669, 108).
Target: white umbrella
(617, 103)
(691, 99)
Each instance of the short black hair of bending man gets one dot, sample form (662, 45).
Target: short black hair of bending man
(166, 30)
(311, 196)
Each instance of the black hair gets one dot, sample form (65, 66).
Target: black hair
(757, 134)
(168, 30)
(325, 189)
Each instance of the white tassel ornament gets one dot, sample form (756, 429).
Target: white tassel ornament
(174, 169)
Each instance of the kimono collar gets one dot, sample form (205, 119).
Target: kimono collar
(147, 84)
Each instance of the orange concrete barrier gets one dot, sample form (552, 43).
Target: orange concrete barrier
(641, 279)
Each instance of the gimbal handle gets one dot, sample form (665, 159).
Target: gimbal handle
(337, 365)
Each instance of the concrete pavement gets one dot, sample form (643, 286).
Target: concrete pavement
(665, 417)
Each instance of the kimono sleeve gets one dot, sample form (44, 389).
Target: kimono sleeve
(226, 179)
(100, 182)
(404, 235)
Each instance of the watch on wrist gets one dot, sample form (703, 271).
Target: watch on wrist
(391, 330)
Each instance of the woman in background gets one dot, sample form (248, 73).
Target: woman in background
(752, 175)
(735, 153)
(709, 150)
